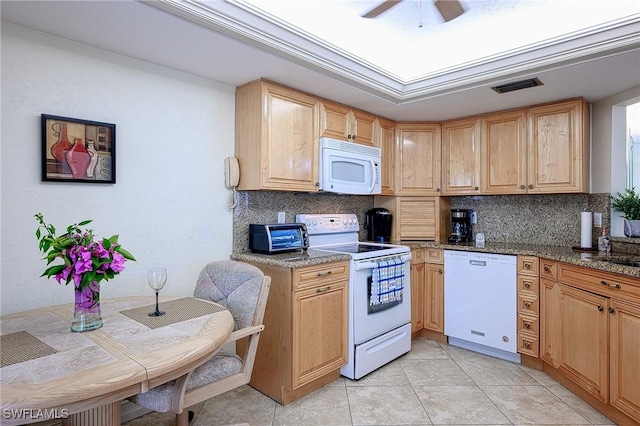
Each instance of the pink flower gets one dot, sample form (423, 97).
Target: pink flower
(117, 264)
(84, 300)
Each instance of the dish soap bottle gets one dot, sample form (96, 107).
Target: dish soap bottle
(604, 244)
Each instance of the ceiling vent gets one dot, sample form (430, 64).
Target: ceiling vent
(517, 85)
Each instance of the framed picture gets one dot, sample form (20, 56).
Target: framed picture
(75, 150)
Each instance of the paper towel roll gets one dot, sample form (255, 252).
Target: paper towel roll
(586, 223)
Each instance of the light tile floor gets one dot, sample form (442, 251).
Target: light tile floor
(433, 384)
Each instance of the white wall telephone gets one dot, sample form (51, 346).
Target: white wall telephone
(231, 172)
(231, 176)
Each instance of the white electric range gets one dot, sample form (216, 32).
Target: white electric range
(379, 291)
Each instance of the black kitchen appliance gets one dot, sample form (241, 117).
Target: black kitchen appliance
(378, 225)
(461, 228)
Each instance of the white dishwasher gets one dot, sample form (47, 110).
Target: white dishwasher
(480, 302)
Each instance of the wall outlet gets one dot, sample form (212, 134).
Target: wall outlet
(597, 220)
(281, 217)
(474, 217)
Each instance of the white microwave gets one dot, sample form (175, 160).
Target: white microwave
(349, 168)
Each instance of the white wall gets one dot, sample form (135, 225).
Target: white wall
(169, 203)
(608, 147)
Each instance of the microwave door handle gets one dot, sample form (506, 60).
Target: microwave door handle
(373, 174)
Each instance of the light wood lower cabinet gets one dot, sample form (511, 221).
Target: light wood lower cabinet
(427, 290)
(528, 305)
(304, 342)
(590, 334)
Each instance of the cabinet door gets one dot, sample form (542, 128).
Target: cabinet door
(384, 138)
(625, 357)
(334, 121)
(418, 160)
(461, 157)
(549, 322)
(417, 295)
(290, 157)
(584, 340)
(319, 331)
(362, 125)
(558, 152)
(434, 297)
(504, 153)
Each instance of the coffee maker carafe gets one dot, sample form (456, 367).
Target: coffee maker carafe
(461, 228)
(378, 225)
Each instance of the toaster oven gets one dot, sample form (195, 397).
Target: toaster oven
(278, 237)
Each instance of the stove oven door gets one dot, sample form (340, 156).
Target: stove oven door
(374, 314)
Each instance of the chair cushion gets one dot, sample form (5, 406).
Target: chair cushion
(223, 364)
(235, 285)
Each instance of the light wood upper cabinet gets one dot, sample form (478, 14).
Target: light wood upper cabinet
(504, 153)
(558, 150)
(418, 159)
(384, 137)
(461, 157)
(276, 138)
(341, 122)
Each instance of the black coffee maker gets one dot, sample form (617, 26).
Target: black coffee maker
(461, 228)
(378, 225)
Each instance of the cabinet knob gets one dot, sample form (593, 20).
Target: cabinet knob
(440, 271)
(323, 289)
(527, 345)
(437, 189)
(600, 308)
(527, 285)
(521, 186)
(527, 305)
(317, 184)
(322, 274)
(527, 325)
(475, 188)
(527, 266)
(546, 269)
(612, 311)
(610, 285)
(530, 186)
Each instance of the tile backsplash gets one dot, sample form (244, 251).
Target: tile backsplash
(531, 219)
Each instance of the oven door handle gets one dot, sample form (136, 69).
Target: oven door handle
(372, 265)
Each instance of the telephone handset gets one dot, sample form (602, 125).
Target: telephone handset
(231, 172)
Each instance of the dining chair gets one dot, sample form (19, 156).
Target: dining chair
(243, 290)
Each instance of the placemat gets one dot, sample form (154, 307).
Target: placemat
(21, 347)
(176, 311)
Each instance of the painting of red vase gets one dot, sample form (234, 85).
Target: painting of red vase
(75, 150)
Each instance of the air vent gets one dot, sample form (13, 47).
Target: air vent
(517, 85)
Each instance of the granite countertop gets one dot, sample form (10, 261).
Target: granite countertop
(297, 259)
(591, 259)
(595, 260)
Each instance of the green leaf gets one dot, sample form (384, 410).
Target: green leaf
(53, 270)
(114, 239)
(85, 222)
(125, 253)
(110, 274)
(38, 233)
(106, 243)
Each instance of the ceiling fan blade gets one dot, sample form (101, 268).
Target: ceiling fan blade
(449, 9)
(382, 7)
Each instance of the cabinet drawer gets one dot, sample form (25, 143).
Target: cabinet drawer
(604, 283)
(528, 285)
(548, 269)
(319, 274)
(528, 305)
(434, 255)
(528, 324)
(528, 265)
(418, 256)
(528, 345)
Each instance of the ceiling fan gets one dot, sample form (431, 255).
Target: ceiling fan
(449, 9)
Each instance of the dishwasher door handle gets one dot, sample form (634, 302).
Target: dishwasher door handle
(478, 262)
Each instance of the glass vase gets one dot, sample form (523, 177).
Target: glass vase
(86, 312)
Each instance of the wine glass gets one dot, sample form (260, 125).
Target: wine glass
(156, 277)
